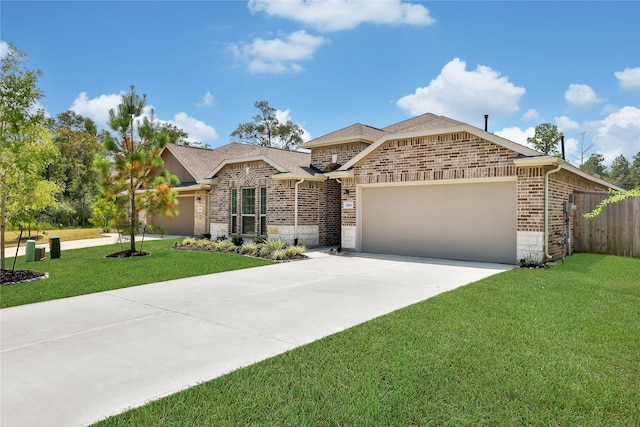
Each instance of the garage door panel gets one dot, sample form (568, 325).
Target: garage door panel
(458, 221)
(183, 223)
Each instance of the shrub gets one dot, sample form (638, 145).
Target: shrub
(279, 254)
(275, 244)
(294, 251)
(249, 249)
(189, 241)
(206, 236)
(221, 238)
(259, 240)
(237, 240)
(224, 246)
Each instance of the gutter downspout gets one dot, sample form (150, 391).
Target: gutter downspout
(546, 209)
(295, 221)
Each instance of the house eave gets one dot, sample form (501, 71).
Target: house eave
(318, 177)
(556, 161)
(340, 141)
(518, 148)
(340, 174)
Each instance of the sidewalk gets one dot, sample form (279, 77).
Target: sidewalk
(109, 239)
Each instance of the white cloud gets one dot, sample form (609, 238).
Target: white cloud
(207, 100)
(284, 116)
(629, 78)
(338, 15)
(97, 109)
(531, 114)
(465, 95)
(518, 135)
(277, 56)
(581, 96)
(198, 130)
(4, 48)
(565, 124)
(618, 133)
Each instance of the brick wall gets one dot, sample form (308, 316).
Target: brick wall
(321, 157)
(280, 198)
(465, 156)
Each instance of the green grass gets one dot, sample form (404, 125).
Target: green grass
(84, 271)
(550, 347)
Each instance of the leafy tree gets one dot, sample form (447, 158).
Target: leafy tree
(126, 173)
(25, 146)
(620, 172)
(595, 165)
(546, 138)
(77, 139)
(634, 171)
(266, 130)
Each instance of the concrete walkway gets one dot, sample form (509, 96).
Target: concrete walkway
(108, 239)
(75, 361)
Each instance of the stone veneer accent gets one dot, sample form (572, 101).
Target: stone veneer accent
(530, 245)
(307, 234)
(200, 219)
(349, 237)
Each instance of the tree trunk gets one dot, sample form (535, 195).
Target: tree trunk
(2, 227)
(133, 220)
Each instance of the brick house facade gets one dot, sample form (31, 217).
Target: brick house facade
(428, 186)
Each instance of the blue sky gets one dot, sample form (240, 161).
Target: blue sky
(329, 64)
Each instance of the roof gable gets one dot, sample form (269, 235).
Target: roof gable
(293, 163)
(354, 133)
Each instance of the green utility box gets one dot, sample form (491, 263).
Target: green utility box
(30, 251)
(54, 247)
(40, 253)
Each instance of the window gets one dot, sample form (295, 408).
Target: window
(263, 211)
(234, 211)
(248, 211)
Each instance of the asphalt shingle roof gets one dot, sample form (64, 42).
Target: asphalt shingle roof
(200, 162)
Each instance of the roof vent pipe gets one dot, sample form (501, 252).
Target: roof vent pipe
(486, 122)
(562, 145)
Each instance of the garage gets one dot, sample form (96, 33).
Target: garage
(463, 221)
(183, 223)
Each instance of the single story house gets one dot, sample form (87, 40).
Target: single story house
(429, 186)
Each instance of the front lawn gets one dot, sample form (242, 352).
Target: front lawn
(84, 271)
(525, 347)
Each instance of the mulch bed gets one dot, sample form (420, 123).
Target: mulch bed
(127, 254)
(7, 277)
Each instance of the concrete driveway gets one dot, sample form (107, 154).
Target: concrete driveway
(75, 361)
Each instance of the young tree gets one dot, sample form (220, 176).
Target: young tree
(585, 144)
(595, 165)
(25, 146)
(620, 172)
(266, 130)
(546, 139)
(127, 172)
(77, 139)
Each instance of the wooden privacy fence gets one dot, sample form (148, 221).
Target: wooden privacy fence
(616, 231)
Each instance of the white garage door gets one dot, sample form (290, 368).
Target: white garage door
(475, 222)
